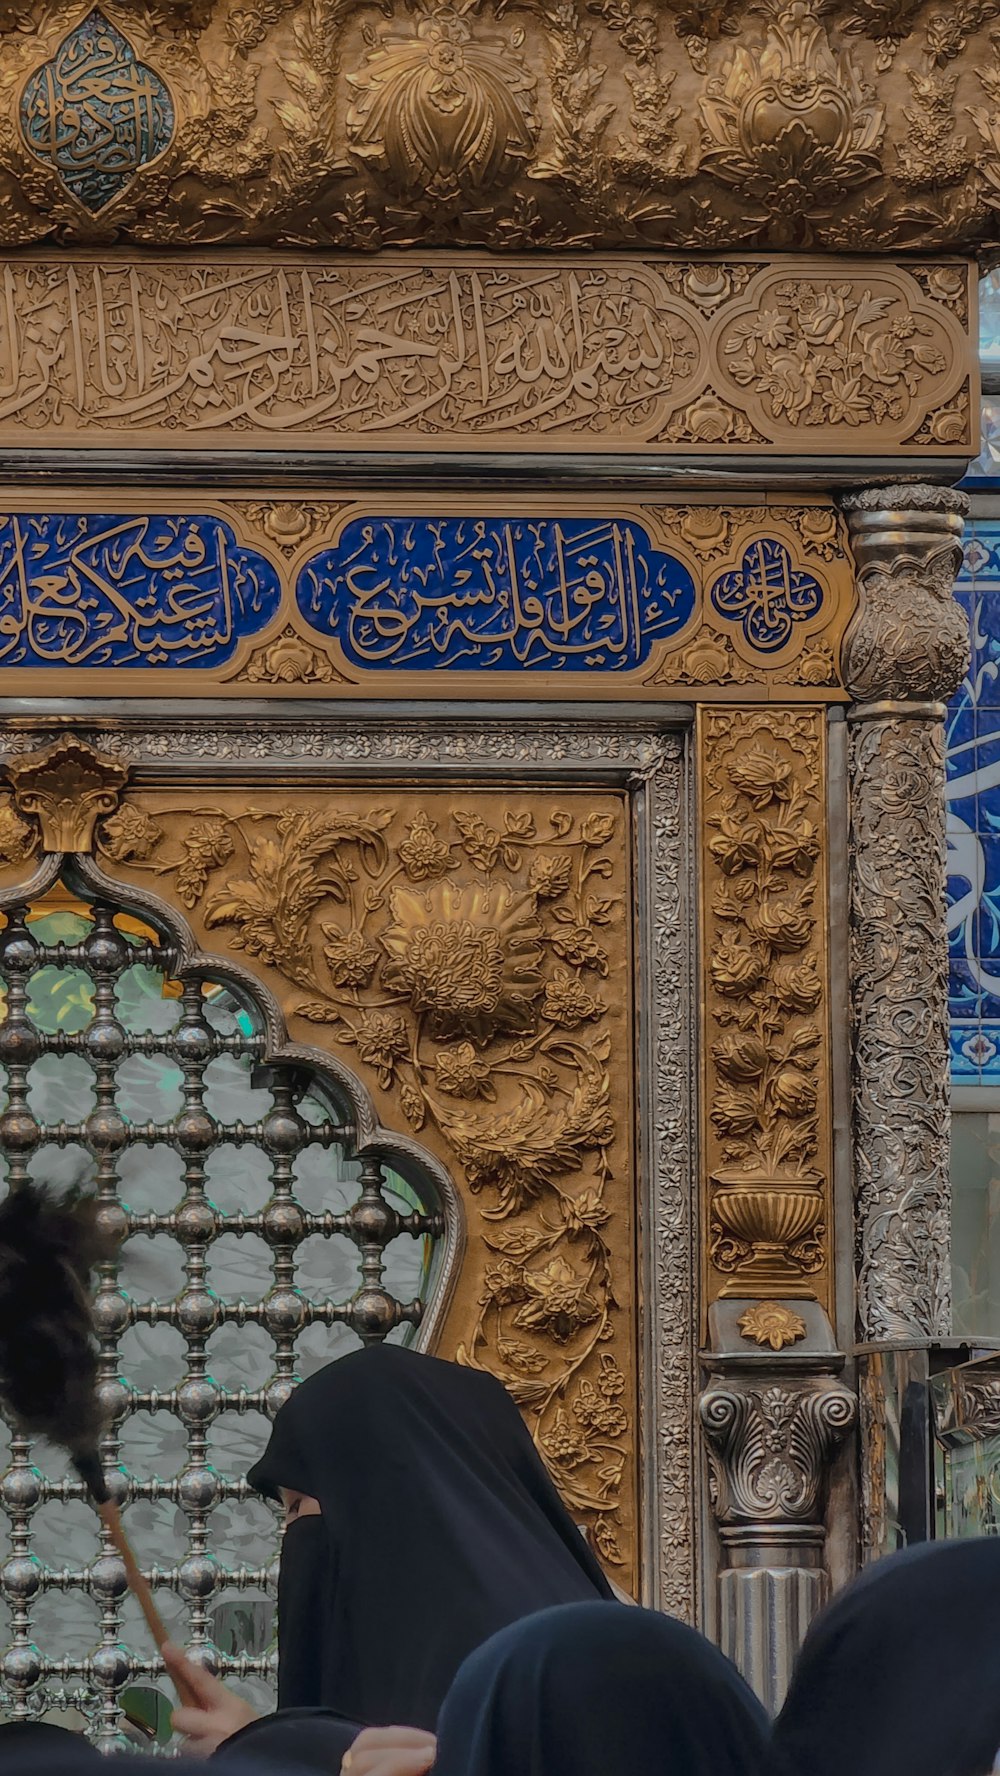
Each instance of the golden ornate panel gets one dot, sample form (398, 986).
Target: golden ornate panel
(407, 598)
(468, 952)
(761, 356)
(766, 1131)
(698, 124)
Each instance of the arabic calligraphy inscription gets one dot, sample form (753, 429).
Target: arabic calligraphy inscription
(184, 354)
(91, 590)
(340, 592)
(767, 595)
(95, 113)
(488, 593)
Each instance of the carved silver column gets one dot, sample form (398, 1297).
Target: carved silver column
(905, 652)
(773, 1426)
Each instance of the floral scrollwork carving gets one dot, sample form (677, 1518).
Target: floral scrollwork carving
(463, 951)
(770, 1448)
(851, 355)
(441, 110)
(768, 1117)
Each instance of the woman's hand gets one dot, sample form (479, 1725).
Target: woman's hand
(214, 1714)
(390, 1751)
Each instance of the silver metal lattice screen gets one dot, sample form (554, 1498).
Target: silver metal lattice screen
(253, 1251)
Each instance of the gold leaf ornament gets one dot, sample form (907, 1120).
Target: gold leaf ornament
(772, 1323)
(790, 123)
(458, 954)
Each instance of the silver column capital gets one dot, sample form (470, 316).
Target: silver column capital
(909, 639)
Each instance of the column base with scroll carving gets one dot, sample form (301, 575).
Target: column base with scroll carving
(773, 1424)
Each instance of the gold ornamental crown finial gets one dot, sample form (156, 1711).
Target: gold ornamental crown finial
(66, 787)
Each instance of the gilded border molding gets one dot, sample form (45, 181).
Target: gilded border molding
(763, 357)
(651, 766)
(766, 1044)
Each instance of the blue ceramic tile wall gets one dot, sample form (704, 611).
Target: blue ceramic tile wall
(973, 751)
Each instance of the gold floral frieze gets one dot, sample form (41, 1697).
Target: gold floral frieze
(305, 597)
(766, 1055)
(196, 351)
(697, 124)
(468, 954)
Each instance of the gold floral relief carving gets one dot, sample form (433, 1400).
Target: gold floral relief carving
(842, 125)
(440, 108)
(553, 354)
(766, 1050)
(290, 660)
(836, 353)
(468, 953)
(790, 123)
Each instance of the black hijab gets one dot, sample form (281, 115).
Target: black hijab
(597, 1689)
(440, 1525)
(39, 1742)
(296, 1738)
(900, 1675)
(47, 1758)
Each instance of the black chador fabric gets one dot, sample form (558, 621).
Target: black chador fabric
(56, 1760)
(900, 1675)
(304, 1592)
(440, 1525)
(295, 1739)
(41, 1745)
(600, 1690)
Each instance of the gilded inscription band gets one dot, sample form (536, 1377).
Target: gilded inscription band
(841, 357)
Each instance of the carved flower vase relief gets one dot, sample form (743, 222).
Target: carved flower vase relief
(461, 952)
(766, 1025)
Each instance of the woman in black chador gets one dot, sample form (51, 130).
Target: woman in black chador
(420, 1520)
(594, 1690)
(900, 1675)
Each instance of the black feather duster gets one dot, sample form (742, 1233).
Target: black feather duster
(49, 1247)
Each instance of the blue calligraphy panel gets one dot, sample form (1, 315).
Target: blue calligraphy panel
(972, 738)
(495, 594)
(96, 114)
(87, 590)
(767, 595)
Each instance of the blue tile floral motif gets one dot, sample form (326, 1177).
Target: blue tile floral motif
(495, 594)
(95, 113)
(90, 590)
(767, 595)
(972, 739)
